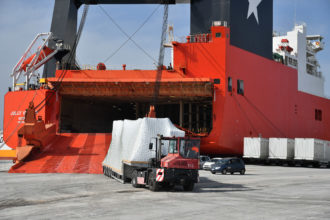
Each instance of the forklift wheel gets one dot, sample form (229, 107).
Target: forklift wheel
(153, 186)
(189, 186)
(134, 183)
(134, 180)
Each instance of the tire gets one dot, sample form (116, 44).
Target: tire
(224, 171)
(242, 172)
(134, 180)
(316, 165)
(188, 187)
(168, 186)
(213, 172)
(232, 173)
(153, 185)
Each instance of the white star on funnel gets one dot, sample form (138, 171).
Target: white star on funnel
(253, 4)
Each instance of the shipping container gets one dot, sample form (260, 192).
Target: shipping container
(281, 148)
(312, 149)
(256, 148)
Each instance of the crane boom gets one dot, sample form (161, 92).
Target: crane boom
(161, 56)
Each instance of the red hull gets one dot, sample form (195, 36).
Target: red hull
(271, 106)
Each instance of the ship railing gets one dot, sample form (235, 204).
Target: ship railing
(119, 67)
(314, 73)
(199, 38)
(312, 61)
(310, 48)
(33, 62)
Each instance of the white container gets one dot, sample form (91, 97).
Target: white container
(256, 148)
(281, 148)
(312, 149)
(327, 151)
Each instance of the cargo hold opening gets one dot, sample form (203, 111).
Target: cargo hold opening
(96, 114)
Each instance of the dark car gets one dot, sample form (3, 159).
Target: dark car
(229, 165)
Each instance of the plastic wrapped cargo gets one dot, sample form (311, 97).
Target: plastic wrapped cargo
(281, 148)
(131, 138)
(256, 148)
(312, 149)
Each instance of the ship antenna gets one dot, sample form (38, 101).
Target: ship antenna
(295, 12)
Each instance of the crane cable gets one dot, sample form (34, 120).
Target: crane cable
(129, 38)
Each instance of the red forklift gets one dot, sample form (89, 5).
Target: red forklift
(179, 167)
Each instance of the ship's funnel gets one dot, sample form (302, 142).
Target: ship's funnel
(250, 22)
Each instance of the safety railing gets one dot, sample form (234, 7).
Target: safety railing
(199, 38)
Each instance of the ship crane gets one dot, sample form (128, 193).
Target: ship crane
(160, 62)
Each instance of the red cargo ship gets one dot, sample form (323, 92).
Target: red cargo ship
(217, 87)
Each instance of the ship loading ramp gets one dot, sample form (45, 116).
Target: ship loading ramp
(68, 153)
(43, 150)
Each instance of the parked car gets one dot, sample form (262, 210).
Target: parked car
(229, 165)
(208, 165)
(203, 159)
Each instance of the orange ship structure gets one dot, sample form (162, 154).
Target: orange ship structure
(213, 89)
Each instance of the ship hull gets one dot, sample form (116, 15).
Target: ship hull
(268, 105)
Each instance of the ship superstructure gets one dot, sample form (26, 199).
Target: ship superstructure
(298, 50)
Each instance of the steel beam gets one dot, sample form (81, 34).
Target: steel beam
(94, 2)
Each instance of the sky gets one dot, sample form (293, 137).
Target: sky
(21, 21)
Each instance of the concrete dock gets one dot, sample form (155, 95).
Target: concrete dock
(265, 192)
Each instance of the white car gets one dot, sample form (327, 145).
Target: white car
(208, 165)
(203, 159)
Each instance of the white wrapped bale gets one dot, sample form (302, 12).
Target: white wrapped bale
(311, 149)
(281, 148)
(256, 148)
(131, 138)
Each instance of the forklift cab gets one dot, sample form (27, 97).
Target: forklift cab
(183, 153)
(186, 148)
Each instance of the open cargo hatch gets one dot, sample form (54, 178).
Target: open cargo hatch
(91, 106)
